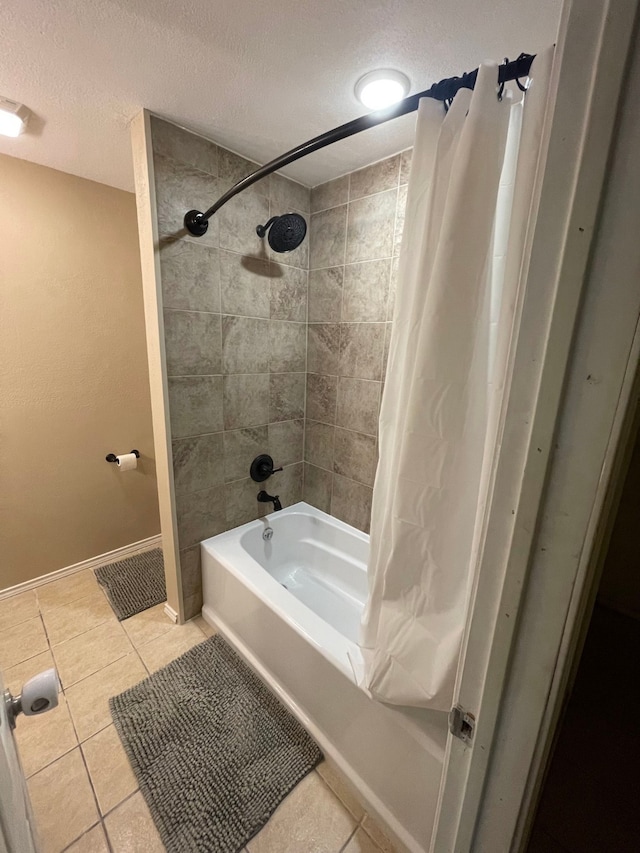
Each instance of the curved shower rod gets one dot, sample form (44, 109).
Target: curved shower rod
(197, 222)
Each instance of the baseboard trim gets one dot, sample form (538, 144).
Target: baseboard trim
(170, 612)
(93, 563)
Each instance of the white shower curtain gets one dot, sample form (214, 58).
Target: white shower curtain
(468, 209)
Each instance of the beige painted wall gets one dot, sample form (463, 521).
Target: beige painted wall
(73, 373)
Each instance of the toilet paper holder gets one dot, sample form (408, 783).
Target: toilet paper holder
(111, 457)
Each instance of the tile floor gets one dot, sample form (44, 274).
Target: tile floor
(82, 789)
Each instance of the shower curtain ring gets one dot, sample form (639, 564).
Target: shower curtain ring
(518, 83)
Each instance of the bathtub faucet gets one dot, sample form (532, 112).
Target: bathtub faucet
(264, 498)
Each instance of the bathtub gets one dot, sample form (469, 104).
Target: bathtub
(287, 592)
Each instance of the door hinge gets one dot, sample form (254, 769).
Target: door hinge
(462, 724)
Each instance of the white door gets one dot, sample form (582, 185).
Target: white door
(16, 824)
(480, 801)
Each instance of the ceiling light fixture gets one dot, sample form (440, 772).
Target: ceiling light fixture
(13, 117)
(380, 89)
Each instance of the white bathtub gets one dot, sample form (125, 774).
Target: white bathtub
(291, 606)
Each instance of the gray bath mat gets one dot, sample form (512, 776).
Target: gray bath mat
(214, 752)
(135, 583)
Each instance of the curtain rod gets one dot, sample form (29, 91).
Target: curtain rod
(197, 222)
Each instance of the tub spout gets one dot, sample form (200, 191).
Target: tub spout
(264, 498)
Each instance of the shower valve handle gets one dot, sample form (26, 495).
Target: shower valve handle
(262, 468)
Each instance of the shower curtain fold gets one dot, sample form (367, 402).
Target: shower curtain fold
(468, 210)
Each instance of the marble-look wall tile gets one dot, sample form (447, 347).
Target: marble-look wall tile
(327, 240)
(366, 290)
(361, 350)
(358, 404)
(246, 400)
(190, 570)
(330, 194)
(321, 398)
(318, 444)
(193, 343)
(180, 188)
(247, 374)
(355, 455)
(393, 283)
(245, 345)
(235, 338)
(325, 295)
(238, 220)
(370, 230)
(190, 277)
(198, 462)
(195, 405)
(405, 165)
(241, 503)
(170, 140)
(318, 484)
(287, 485)
(200, 515)
(245, 285)
(286, 396)
(323, 348)
(385, 354)
(376, 178)
(287, 346)
(288, 293)
(285, 441)
(241, 446)
(351, 502)
(232, 167)
(399, 226)
(288, 195)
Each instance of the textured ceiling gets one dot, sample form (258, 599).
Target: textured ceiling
(258, 77)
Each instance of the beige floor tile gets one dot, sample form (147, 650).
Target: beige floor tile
(93, 841)
(15, 677)
(375, 831)
(361, 843)
(68, 589)
(311, 819)
(204, 626)
(44, 738)
(146, 626)
(341, 788)
(131, 829)
(109, 769)
(88, 700)
(170, 645)
(18, 608)
(89, 652)
(21, 642)
(63, 802)
(70, 620)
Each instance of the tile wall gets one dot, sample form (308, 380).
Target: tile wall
(271, 353)
(356, 230)
(235, 339)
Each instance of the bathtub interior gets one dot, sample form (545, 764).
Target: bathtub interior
(320, 563)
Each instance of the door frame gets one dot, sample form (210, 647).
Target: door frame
(560, 430)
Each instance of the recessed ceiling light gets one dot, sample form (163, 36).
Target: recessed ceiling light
(380, 89)
(13, 117)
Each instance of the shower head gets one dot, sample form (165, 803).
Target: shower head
(286, 232)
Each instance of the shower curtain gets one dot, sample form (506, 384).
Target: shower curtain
(462, 260)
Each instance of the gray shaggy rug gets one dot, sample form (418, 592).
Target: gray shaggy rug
(135, 583)
(212, 748)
